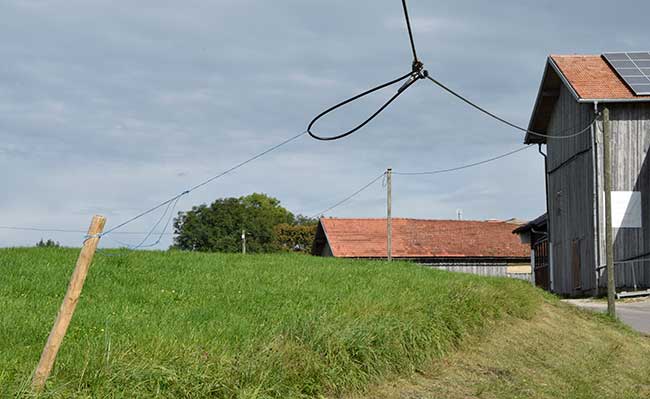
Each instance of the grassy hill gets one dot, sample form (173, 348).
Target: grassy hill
(171, 324)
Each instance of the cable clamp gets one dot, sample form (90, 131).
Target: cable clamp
(417, 66)
(418, 72)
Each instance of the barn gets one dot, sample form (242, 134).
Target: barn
(574, 91)
(479, 247)
(535, 233)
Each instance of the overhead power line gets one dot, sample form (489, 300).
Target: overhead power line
(432, 172)
(203, 183)
(349, 197)
(418, 72)
(467, 166)
(336, 205)
(48, 230)
(504, 121)
(410, 31)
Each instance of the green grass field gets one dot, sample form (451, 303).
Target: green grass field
(188, 324)
(173, 324)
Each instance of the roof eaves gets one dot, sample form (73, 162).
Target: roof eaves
(327, 239)
(614, 100)
(531, 121)
(550, 65)
(563, 78)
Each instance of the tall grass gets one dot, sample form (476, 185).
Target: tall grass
(176, 324)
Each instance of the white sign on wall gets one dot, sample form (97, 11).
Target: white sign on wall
(626, 209)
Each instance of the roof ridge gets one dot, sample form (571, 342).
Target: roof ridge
(492, 221)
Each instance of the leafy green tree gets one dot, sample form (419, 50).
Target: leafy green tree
(294, 238)
(218, 227)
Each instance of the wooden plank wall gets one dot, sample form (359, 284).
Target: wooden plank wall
(570, 191)
(631, 172)
(483, 270)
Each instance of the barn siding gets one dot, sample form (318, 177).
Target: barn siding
(570, 192)
(630, 172)
(481, 269)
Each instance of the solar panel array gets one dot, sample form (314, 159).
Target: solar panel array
(633, 68)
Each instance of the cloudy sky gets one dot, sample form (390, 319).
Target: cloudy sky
(110, 108)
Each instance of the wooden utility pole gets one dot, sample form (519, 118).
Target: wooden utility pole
(609, 247)
(243, 242)
(69, 304)
(389, 216)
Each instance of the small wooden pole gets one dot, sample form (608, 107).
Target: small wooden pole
(69, 303)
(609, 246)
(243, 242)
(389, 211)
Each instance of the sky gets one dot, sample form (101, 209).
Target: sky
(112, 107)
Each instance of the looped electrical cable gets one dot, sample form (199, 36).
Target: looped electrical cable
(417, 72)
(401, 90)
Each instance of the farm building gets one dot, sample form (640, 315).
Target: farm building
(573, 92)
(485, 248)
(535, 233)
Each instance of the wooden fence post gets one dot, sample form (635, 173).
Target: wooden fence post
(69, 303)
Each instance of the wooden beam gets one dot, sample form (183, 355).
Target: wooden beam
(69, 304)
(609, 246)
(389, 214)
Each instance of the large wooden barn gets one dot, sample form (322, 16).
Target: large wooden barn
(573, 91)
(478, 247)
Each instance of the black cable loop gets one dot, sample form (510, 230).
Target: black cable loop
(402, 89)
(417, 73)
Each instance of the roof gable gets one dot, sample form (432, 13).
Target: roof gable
(412, 238)
(592, 78)
(589, 78)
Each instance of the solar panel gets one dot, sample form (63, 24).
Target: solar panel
(633, 68)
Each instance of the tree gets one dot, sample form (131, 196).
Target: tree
(48, 244)
(218, 227)
(295, 238)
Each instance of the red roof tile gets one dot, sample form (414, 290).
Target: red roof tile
(366, 238)
(593, 78)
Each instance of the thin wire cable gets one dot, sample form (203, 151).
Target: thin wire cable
(433, 172)
(346, 199)
(47, 230)
(467, 166)
(169, 219)
(502, 120)
(170, 208)
(205, 182)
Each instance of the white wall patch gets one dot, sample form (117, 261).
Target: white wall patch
(626, 209)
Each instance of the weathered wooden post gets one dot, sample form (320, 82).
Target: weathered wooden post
(389, 214)
(609, 247)
(69, 304)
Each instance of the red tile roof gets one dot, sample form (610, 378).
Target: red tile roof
(366, 238)
(591, 77)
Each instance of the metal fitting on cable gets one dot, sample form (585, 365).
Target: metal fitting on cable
(418, 72)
